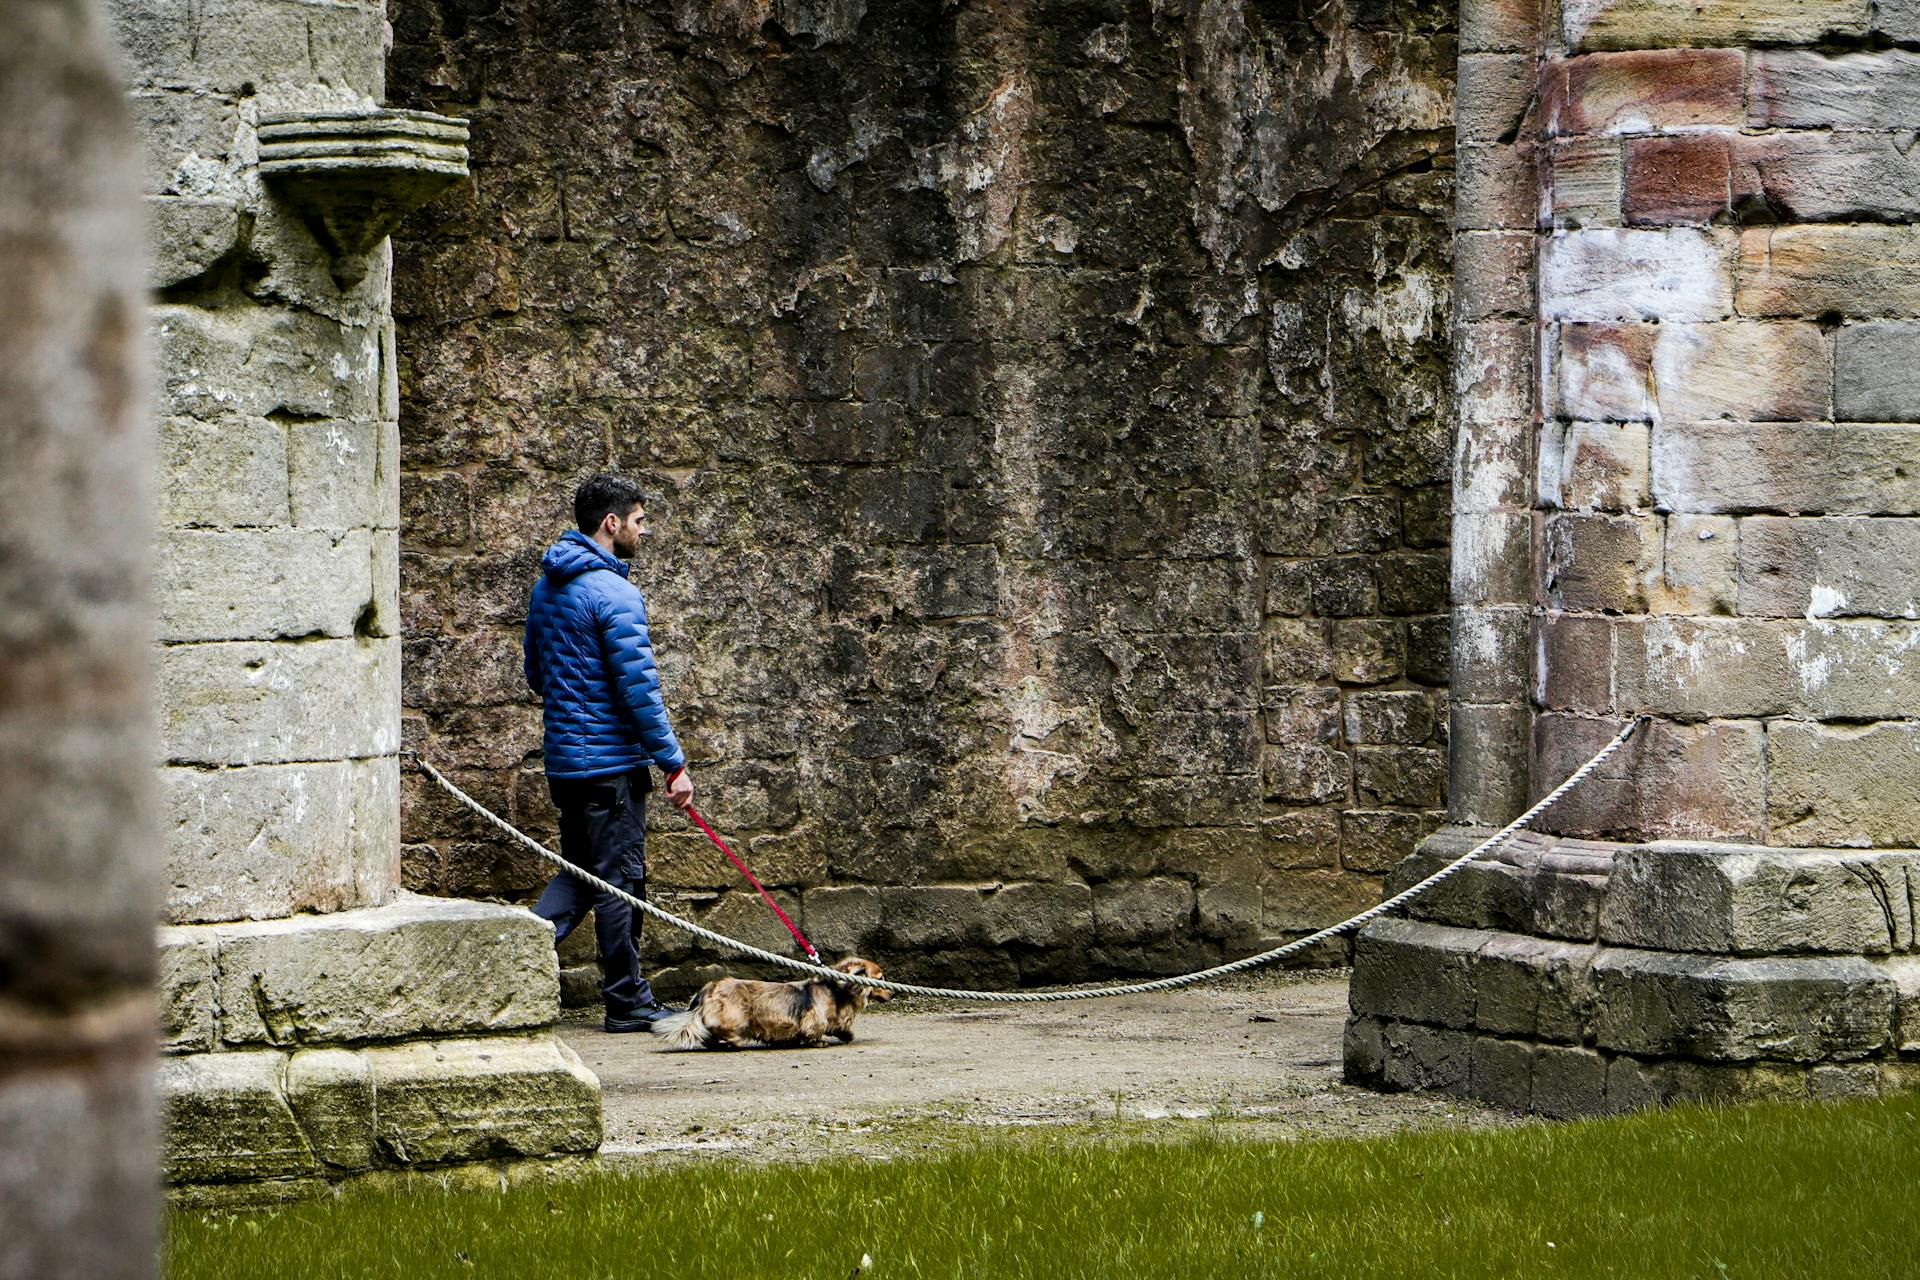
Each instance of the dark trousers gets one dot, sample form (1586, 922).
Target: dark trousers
(603, 828)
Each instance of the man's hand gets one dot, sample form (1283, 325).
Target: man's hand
(680, 790)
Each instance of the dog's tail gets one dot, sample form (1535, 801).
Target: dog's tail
(683, 1030)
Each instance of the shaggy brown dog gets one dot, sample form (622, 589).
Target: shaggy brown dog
(781, 1014)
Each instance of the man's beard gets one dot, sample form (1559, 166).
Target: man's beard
(626, 547)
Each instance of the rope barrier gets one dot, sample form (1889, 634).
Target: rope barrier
(1043, 997)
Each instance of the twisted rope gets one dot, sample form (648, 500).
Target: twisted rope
(1044, 997)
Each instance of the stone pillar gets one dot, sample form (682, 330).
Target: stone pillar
(76, 786)
(1712, 364)
(297, 978)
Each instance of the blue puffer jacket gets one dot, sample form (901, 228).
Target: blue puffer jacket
(590, 662)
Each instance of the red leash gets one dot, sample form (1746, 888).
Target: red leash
(792, 928)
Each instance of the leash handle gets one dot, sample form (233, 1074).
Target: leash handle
(792, 928)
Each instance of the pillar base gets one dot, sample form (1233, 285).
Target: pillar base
(313, 1050)
(1568, 977)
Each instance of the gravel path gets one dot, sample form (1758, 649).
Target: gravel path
(1258, 1057)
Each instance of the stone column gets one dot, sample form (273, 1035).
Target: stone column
(76, 786)
(1724, 472)
(298, 979)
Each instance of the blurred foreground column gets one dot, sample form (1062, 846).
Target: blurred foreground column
(77, 855)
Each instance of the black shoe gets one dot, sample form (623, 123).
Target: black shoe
(642, 1019)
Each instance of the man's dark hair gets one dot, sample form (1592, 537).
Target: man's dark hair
(601, 493)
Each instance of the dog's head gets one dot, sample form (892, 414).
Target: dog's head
(866, 969)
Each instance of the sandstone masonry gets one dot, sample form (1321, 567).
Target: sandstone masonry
(318, 1023)
(1681, 490)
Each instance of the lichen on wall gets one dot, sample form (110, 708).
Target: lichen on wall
(1044, 414)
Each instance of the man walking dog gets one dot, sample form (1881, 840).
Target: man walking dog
(591, 663)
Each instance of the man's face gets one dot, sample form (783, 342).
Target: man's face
(628, 532)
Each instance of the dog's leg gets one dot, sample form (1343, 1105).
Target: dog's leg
(844, 1035)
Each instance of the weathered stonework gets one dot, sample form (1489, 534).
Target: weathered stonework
(1045, 416)
(318, 1023)
(1705, 421)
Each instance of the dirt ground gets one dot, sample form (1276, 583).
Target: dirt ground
(1258, 1057)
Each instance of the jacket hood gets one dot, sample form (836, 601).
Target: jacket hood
(576, 554)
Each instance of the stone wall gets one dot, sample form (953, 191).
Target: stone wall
(1045, 414)
(78, 862)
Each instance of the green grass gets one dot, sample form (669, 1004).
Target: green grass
(1809, 1191)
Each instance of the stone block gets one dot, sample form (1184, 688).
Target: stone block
(483, 1099)
(1492, 274)
(1499, 25)
(188, 1012)
(1412, 583)
(1038, 914)
(1652, 24)
(1637, 274)
(1501, 1073)
(1857, 270)
(1742, 370)
(1575, 663)
(225, 1118)
(1498, 187)
(1537, 988)
(1821, 176)
(1822, 568)
(1293, 841)
(1743, 900)
(843, 919)
(333, 473)
(187, 236)
(1492, 94)
(232, 46)
(1803, 468)
(1586, 183)
(1306, 900)
(230, 472)
(1484, 894)
(1416, 972)
(261, 584)
(1699, 566)
(187, 139)
(1801, 89)
(1301, 715)
(1490, 456)
(1303, 775)
(1832, 1083)
(1426, 1058)
(1409, 777)
(1363, 1051)
(1375, 842)
(1795, 1009)
(1904, 973)
(1604, 372)
(1568, 1082)
(1843, 784)
(1633, 1085)
(1594, 466)
(1493, 371)
(1678, 181)
(1877, 374)
(1567, 904)
(1705, 781)
(1487, 777)
(331, 1094)
(1388, 716)
(416, 966)
(265, 841)
(1600, 563)
(1296, 651)
(260, 361)
(1131, 910)
(1699, 667)
(934, 915)
(1492, 558)
(1645, 91)
(1489, 655)
(1898, 19)
(266, 702)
